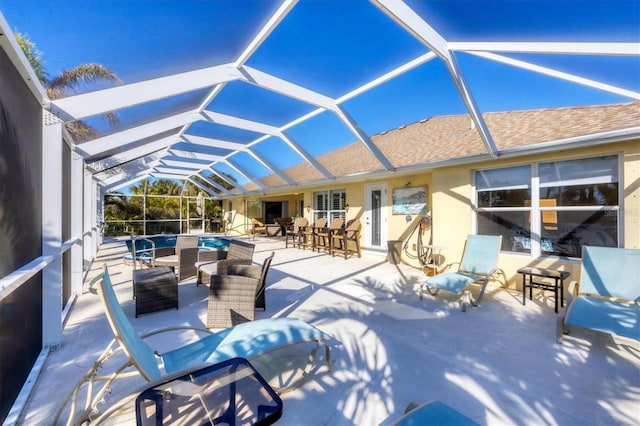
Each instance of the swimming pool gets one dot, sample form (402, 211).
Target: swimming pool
(144, 245)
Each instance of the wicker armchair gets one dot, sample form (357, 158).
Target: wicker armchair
(183, 256)
(238, 253)
(233, 298)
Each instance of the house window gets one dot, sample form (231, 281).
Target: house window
(329, 204)
(551, 208)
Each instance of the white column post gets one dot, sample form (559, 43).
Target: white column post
(100, 192)
(88, 203)
(188, 217)
(77, 220)
(94, 218)
(52, 230)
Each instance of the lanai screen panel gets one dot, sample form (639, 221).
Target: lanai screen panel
(20, 229)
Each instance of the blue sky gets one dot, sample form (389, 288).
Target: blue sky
(331, 47)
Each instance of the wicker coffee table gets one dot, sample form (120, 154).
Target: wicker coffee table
(155, 289)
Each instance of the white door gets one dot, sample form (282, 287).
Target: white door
(375, 217)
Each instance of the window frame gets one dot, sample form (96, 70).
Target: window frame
(536, 211)
(327, 210)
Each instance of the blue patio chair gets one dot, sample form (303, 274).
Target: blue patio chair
(607, 298)
(247, 340)
(478, 264)
(432, 413)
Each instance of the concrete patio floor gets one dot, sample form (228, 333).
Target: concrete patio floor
(497, 364)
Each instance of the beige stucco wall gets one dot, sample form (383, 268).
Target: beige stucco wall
(397, 227)
(449, 196)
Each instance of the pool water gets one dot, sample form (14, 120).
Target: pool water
(143, 246)
(213, 243)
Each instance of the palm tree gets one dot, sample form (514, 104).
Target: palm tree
(68, 80)
(64, 84)
(34, 56)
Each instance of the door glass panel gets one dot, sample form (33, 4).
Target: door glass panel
(376, 204)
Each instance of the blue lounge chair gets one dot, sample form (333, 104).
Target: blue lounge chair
(607, 298)
(433, 413)
(478, 264)
(247, 340)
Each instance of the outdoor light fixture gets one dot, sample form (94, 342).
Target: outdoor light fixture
(308, 208)
(346, 208)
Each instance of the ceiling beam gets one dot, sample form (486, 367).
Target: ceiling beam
(422, 59)
(265, 31)
(131, 154)
(121, 177)
(414, 24)
(226, 179)
(559, 74)
(129, 169)
(273, 22)
(266, 163)
(112, 99)
(184, 164)
(161, 175)
(245, 173)
(203, 187)
(125, 182)
(173, 170)
(254, 126)
(565, 48)
(125, 137)
(146, 160)
(286, 88)
(472, 107)
(362, 136)
(197, 155)
(217, 186)
(240, 123)
(304, 154)
(215, 143)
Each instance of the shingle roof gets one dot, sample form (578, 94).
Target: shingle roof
(453, 137)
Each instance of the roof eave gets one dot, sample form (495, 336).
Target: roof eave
(595, 139)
